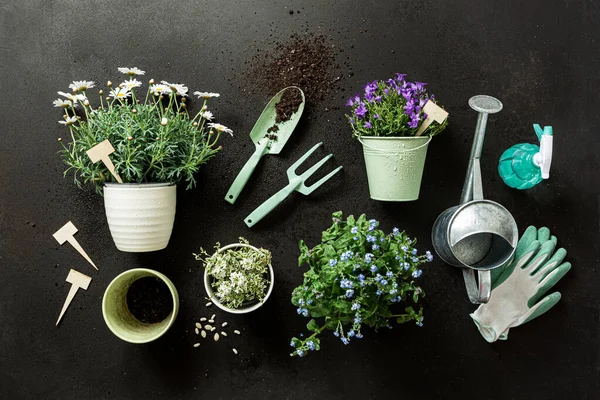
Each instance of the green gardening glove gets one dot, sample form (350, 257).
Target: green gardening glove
(516, 289)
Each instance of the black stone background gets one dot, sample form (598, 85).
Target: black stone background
(539, 57)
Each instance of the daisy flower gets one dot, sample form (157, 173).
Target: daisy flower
(82, 86)
(220, 128)
(62, 103)
(178, 88)
(131, 71)
(207, 115)
(73, 97)
(206, 95)
(68, 121)
(159, 89)
(130, 84)
(120, 93)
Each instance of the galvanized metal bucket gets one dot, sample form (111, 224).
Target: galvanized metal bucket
(477, 235)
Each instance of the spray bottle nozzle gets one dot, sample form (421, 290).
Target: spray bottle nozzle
(543, 159)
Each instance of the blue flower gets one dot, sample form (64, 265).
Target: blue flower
(357, 320)
(397, 257)
(301, 302)
(305, 312)
(382, 240)
(414, 252)
(371, 239)
(393, 291)
(355, 306)
(354, 230)
(429, 256)
(346, 283)
(389, 274)
(395, 231)
(384, 282)
(375, 247)
(299, 310)
(336, 334)
(349, 293)
(333, 262)
(395, 284)
(417, 273)
(399, 298)
(406, 266)
(300, 352)
(309, 302)
(292, 344)
(378, 292)
(310, 344)
(355, 237)
(351, 333)
(373, 268)
(404, 248)
(415, 260)
(361, 277)
(359, 336)
(344, 340)
(368, 257)
(346, 255)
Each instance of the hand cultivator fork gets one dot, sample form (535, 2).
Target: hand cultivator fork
(296, 184)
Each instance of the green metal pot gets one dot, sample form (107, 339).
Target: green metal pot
(119, 319)
(395, 166)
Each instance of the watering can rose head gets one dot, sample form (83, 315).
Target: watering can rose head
(358, 276)
(154, 135)
(393, 107)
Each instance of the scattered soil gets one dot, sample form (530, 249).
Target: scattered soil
(307, 61)
(149, 300)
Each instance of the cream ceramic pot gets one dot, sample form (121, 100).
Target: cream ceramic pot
(140, 216)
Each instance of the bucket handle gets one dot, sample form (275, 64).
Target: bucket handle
(479, 293)
(393, 151)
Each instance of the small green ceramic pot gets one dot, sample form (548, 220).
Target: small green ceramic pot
(118, 317)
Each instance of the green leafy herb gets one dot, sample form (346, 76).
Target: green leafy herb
(357, 276)
(239, 274)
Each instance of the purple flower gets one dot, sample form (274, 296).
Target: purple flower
(386, 91)
(409, 107)
(349, 103)
(378, 99)
(413, 123)
(370, 88)
(368, 125)
(361, 110)
(376, 116)
(352, 121)
(400, 77)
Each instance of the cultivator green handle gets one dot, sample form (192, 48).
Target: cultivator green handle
(242, 178)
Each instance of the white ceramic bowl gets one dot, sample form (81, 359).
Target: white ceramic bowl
(242, 310)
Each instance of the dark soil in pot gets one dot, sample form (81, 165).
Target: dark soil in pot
(149, 300)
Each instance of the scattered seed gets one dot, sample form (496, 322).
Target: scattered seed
(203, 333)
(198, 325)
(224, 324)
(216, 337)
(212, 321)
(213, 329)
(208, 304)
(202, 319)
(213, 316)
(235, 351)
(236, 332)
(196, 344)
(208, 327)
(197, 331)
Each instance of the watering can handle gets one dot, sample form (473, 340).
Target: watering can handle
(479, 292)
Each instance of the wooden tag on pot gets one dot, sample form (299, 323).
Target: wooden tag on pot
(434, 113)
(101, 152)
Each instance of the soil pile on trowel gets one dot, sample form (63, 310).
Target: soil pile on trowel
(284, 109)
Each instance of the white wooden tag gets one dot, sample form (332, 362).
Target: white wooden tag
(434, 113)
(77, 281)
(101, 152)
(65, 234)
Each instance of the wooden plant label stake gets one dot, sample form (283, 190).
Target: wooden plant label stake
(65, 234)
(77, 281)
(434, 113)
(101, 152)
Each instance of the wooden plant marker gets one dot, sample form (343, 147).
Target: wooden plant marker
(101, 152)
(65, 234)
(434, 113)
(77, 281)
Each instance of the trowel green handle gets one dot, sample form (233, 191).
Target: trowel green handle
(270, 204)
(242, 178)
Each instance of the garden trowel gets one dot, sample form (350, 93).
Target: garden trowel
(265, 142)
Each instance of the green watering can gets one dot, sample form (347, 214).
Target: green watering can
(525, 165)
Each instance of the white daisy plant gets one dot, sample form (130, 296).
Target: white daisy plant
(206, 95)
(156, 138)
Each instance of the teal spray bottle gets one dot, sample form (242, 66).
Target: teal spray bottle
(525, 165)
